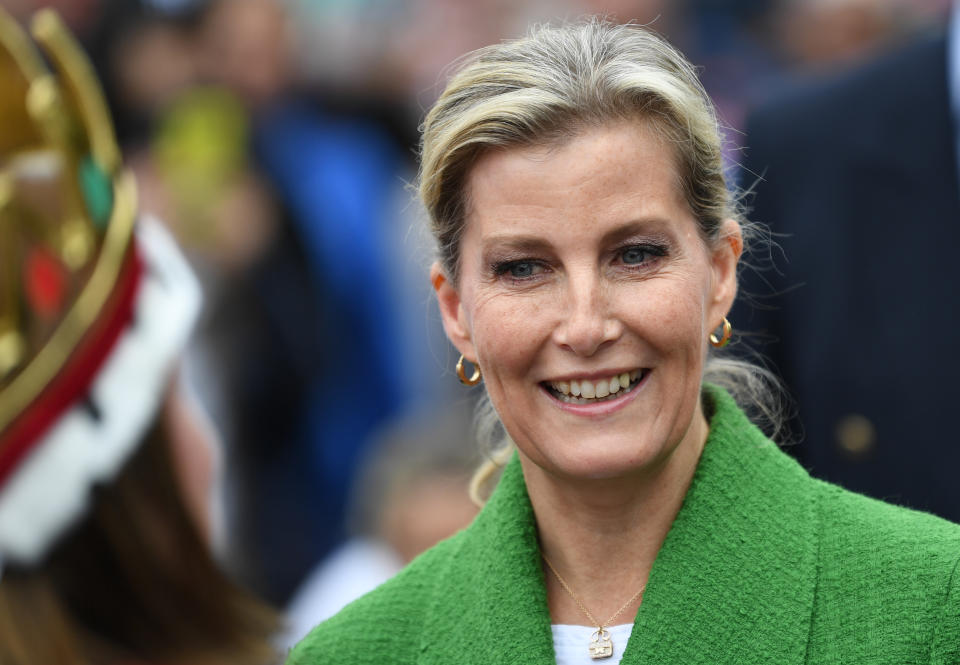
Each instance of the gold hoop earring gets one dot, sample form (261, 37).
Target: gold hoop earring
(473, 380)
(724, 337)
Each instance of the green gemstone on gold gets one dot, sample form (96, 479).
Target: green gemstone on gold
(97, 192)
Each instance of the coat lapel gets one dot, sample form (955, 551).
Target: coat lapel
(490, 605)
(733, 583)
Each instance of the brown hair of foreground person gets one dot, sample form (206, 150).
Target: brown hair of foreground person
(134, 581)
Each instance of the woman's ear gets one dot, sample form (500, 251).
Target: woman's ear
(451, 311)
(724, 259)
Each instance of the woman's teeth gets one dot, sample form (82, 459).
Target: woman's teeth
(585, 391)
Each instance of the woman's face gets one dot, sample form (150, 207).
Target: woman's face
(582, 263)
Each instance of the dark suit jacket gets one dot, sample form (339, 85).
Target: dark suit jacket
(861, 174)
(762, 565)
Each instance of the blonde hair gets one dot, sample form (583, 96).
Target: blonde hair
(546, 88)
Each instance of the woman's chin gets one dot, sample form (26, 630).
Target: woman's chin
(598, 461)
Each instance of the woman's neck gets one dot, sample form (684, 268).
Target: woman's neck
(603, 536)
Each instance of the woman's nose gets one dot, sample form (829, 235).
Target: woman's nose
(587, 323)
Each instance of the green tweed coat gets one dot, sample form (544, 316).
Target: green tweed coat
(763, 564)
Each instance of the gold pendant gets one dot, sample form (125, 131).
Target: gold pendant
(600, 644)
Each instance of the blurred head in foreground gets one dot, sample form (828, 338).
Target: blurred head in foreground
(104, 468)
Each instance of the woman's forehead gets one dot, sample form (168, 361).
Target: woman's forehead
(622, 170)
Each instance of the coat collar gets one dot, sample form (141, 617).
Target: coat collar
(733, 582)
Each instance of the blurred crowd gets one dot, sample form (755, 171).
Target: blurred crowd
(277, 140)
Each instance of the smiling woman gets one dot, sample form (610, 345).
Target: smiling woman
(588, 248)
(582, 263)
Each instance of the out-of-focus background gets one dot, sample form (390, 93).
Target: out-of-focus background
(277, 139)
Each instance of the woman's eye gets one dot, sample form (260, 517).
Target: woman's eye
(639, 254)
(519, 269)
(634, 255)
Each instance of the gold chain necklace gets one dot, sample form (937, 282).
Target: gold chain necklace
(601, 646)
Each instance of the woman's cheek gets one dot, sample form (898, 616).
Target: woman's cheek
(663, 310)
(509, 328)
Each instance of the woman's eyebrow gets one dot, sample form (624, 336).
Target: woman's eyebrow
(518, 243)
(529, 243)
(637, 227)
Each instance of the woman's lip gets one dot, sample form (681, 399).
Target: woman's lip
(598, 409)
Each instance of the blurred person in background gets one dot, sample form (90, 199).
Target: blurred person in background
(819, 35)
(410, 493)
(277, 202)
(858, 179)
(107, 469)
(330, 292)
